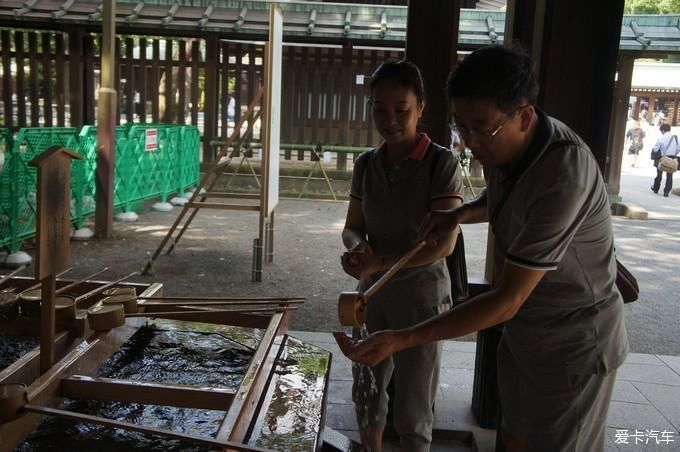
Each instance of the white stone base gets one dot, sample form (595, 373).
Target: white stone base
(186, 194)
(17, 259)
(162, 207)
(82, 234)
(126, 216)
(178, 201)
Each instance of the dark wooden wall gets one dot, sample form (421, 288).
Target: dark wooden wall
(194, 81)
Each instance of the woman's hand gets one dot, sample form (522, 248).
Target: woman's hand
(360, 264)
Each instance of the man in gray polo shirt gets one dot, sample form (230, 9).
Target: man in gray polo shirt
(554, 268)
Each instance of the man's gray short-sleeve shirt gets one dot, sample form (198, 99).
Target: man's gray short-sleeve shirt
(557, 218)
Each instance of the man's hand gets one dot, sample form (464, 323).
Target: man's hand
(437, 224)
(360, 264)
(372, 350)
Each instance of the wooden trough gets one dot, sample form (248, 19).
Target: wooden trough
(252, 413)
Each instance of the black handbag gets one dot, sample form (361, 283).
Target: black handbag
(455, 263)
(626, 283)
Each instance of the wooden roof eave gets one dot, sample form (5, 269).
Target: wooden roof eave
(374, 25)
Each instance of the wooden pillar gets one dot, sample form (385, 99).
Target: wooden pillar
(345, 90)
(211, 95)
(76, 77)
(674, 118)
(650, 108)
(617, 130)
(434, 24)
(575, 46)
(636, 108)
(106, 126)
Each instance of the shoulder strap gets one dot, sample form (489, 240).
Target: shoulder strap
(670, 140)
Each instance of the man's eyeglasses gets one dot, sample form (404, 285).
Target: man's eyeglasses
(483, 135)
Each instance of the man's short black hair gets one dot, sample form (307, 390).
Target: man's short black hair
(503, 75)
(665, 128)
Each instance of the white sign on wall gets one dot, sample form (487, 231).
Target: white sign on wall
(151, 140)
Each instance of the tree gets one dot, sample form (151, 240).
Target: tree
(669, 6)
(641, 7)
(652, 6)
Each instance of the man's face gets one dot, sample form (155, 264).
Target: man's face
(494, 137)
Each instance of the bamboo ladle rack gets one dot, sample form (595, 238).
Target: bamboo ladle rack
(103, 317)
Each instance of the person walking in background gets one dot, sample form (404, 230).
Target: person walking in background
(666, 146)
(393, 187)
(635, 139)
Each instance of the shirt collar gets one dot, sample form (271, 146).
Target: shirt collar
(539, 141)
(419, 150)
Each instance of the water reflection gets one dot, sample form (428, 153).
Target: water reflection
(153, 355)
(294, 418)
(14, 347)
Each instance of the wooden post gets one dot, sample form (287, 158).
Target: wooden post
(53, 233)
(345, 90)
(650, 108)
(429, 22)
(211, 95)
(106, 127)
(617, 130)
(546, 30)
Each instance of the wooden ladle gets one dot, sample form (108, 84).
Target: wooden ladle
(14, 403)
(352, 305)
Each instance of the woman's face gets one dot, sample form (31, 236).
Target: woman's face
(396, 111)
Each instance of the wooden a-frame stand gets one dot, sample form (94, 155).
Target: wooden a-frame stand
(204, 192)
(266, 201)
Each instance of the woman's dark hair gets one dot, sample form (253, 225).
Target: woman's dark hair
(503, 75)
(665, 128)
(403, 72)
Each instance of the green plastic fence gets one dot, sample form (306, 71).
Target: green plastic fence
(6, 204)
(28, 144)
(140, 173)
(189, 164)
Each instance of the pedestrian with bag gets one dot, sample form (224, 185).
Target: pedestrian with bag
(665, 157)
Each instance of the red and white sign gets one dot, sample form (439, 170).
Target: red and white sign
(151, 141)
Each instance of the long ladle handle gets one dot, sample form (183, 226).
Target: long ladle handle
(395, 268)
(139, 428)
(104, 287)
(13, 273)
(80, 281)
(35, 286)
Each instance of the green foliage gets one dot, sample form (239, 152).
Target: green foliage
(642, 7)
(652, 7)
(669, 6)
